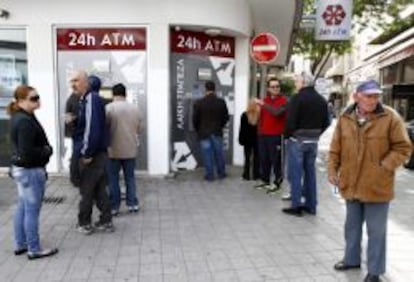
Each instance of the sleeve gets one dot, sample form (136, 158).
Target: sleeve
(196, 116)
(400, 145)
(334, 154)
(327, 120)
(292, 113)
(275, 111)
(242, 130)
(225, 114)
(94, 116)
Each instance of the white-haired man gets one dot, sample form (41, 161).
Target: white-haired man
(369, 143)
(307, 118)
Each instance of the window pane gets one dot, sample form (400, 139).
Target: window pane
(13, 72)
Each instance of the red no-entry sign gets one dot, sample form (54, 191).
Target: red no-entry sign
(264, 48)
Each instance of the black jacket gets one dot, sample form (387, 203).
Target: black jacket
(307, 115)
(72, 107)
(210, 116)
(30, 145)
(247, 132)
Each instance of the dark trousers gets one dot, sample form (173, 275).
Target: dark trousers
(251, 156)
(74, 170)
(93, 188)
(270, 151)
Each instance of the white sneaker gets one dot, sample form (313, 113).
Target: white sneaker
(132, 209)
(286, 197)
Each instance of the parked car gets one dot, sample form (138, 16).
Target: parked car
(410, 128)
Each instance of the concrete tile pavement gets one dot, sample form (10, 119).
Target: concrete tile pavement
(190, 230)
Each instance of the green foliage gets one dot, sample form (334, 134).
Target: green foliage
(395, 28)
(365, 12)
(287, 86)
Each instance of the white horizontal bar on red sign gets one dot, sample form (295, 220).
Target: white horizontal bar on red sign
(265, 48)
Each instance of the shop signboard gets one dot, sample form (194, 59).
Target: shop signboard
(115, 55)
(333, 20)
(195, 58)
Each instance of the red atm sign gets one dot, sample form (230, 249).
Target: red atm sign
(101, 38)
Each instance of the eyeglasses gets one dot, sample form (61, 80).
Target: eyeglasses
(274, 86)
(34, 99)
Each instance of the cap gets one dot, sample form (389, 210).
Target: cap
(369, 87)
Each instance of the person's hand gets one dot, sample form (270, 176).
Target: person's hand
(333, 179)
(69, 117)
(258, 101)
(86, 161)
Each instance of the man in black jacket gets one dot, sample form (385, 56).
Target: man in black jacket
(209, 117)
(307, 119)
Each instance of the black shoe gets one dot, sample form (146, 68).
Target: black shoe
(208, 179)
(372, 278)
(293, 211)
(42, 254)
(308, 210)
(104, 227)
(20, 252)
(341, 266)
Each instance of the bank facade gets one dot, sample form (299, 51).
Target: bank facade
(163, 51)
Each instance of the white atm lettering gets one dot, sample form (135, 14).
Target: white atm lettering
(117, 39)
(82, 39)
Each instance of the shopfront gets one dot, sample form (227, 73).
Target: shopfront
(397, 79)
(13, 72)
(42, 41)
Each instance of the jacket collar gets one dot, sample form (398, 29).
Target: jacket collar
(379, 110)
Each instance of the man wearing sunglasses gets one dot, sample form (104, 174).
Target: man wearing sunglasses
(270, 129)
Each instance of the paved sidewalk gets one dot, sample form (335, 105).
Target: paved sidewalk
(190, 230)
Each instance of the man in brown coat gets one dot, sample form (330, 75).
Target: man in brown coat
(368, 145)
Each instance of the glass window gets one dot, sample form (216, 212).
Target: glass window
(13, 72)
(389, 74)
(408, 75)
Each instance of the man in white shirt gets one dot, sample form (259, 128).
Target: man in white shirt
(124, 125)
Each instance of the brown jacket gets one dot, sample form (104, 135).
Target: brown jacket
(365, 158)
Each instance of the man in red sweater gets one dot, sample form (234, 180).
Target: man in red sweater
(270, 130)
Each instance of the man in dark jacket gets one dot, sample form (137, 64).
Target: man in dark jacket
(90, 143)
(209, 118)
(307, 119)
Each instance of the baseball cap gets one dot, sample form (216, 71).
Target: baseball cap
(369, 87)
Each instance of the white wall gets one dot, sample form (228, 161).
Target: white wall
(241, 94)
(39, 17)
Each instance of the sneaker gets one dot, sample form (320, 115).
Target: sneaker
(42, 254)
(85, 229)
(261, 186)
(104, 227)
(114, 212)
(272, 189)
(286, 197)
(19, 252)
(132, 209)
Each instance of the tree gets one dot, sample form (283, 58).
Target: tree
(365, 13)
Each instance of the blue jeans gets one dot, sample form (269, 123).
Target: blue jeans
(128, 167)
(301, 164)
(375, 215)
(31, 188)
(212, 151)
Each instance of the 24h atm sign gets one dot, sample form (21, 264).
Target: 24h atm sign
(333, 20)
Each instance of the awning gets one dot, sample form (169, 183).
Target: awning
(397, 54)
